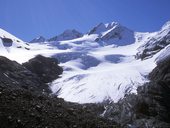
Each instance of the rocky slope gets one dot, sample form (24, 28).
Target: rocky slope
(14, 75)
(24, 103)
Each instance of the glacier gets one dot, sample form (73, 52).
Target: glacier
(99, 65)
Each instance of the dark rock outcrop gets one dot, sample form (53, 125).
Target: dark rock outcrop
(47, 69)
(15, 75)
(7, 42)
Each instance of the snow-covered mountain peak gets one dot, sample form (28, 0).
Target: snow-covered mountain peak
(67, 35)
(166, 25)
(113, 33)
(70, 31)
(38, 40)
(112, 24)
(100, 28)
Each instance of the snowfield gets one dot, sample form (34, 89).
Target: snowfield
(118, 73)
(96, 66)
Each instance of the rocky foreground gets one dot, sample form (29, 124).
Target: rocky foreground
(26, 102)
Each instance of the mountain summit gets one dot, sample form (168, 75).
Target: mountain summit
(113, 33)
(67, 35)
(38, 40)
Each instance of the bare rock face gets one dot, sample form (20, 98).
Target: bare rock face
(47, 69)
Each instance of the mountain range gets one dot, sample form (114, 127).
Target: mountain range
(107, 62)
(117, 78)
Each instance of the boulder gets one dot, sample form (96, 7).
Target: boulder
(47, 69)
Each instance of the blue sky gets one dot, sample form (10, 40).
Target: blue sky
(28, 19)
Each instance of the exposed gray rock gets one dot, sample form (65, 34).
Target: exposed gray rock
(7, 42)
(15, 75)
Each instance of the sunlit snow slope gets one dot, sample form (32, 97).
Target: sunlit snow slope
(98, 70)
(99, 65)
(98, 73)
(20, 51)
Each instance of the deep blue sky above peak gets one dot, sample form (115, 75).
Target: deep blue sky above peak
(28, 19)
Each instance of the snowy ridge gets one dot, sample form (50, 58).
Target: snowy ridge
(10, 44)
(20, 51)
(99, 65)
(4, 33)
